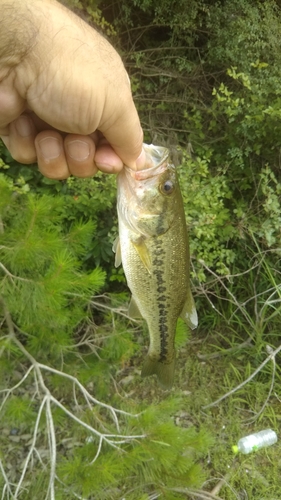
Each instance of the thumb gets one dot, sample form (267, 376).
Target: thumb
(124, 133)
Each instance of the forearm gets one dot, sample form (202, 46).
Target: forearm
(21, 21)
(28, 27)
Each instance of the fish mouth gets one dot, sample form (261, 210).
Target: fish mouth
(156, 164)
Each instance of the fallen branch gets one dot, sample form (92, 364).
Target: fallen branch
(47, 402)
(270, 357)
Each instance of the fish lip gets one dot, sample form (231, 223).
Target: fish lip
(162, 154)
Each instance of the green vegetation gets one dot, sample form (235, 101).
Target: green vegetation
(77, 421)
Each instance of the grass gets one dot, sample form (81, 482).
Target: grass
(234, 363)
(233, 418)
(247, 333)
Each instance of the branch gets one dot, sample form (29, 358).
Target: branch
(270, 350)
(201, 494)
(12, 276)
(270, 357)
(47, 401)
(7, 488)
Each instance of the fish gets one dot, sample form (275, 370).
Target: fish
(153, 248)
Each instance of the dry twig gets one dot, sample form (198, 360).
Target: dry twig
(47, 402)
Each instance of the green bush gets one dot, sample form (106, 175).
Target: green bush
(208, 87)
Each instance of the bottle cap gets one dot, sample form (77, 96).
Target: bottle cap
(235, 448)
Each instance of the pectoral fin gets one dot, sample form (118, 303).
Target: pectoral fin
(189, 314)
(143, 253)
(117, 250)
(133, 310)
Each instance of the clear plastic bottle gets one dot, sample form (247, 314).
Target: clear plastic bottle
(255, 441)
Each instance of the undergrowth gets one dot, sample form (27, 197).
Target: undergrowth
(77, 421)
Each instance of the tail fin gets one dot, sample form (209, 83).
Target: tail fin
(164, 372)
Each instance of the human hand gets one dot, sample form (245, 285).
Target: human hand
(65, 96)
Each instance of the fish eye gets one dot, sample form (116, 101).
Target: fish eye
(167, 187)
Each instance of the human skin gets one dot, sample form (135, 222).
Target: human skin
(65, 98)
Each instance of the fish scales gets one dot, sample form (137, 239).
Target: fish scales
(153, 247)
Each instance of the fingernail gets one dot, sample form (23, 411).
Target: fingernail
(78, 150)
(50, 148)
(24, 126)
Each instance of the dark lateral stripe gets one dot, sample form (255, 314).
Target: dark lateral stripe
(161, 301)
(158, 274)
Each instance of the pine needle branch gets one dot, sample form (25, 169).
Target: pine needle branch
(12, 276)
(47, 401)
(68, 490)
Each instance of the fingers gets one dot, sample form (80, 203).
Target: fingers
(80, 152)
(59, 158)
(109, 162)
(20, 140)
(50, 155)
(106, 159)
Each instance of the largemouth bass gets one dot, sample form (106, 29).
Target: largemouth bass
(153, 248)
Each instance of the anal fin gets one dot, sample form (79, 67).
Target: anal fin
(189, 313)
(133, 310)
(116, 247)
